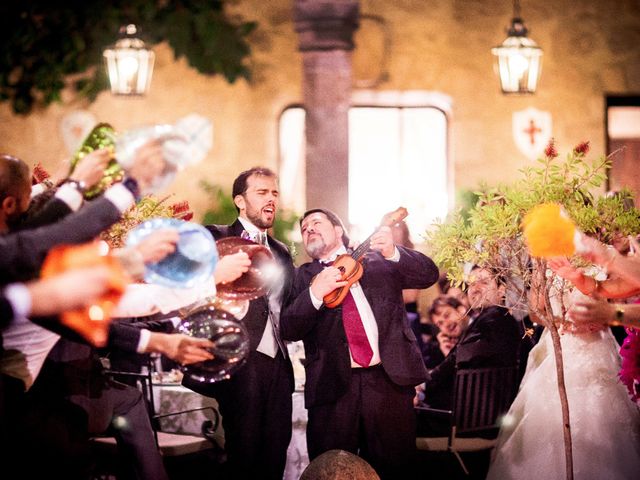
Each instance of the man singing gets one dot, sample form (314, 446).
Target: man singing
(255, 402)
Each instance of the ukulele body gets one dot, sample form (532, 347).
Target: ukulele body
(350, 266)
(351, 271)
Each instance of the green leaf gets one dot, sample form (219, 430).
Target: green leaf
(42, 42)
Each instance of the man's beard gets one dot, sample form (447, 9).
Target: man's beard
(315, 248)
(256, 219)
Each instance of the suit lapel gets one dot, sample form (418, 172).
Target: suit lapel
(236, 228)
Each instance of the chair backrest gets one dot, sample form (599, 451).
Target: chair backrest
(482, 395)
(171, 443)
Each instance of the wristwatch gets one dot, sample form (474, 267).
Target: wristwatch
(79, 185)
(132, 185)
(619, 316)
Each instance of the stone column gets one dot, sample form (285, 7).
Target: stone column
(325, 29)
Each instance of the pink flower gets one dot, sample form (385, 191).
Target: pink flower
(630, 352)
(181, 211)
(39, 174)
(582, 148)
(551, 151)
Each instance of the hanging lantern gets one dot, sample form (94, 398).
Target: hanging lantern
(519, 59)
(129, 63)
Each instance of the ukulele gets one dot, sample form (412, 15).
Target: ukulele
(350, 265)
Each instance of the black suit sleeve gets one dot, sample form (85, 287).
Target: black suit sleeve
(23, 252)
(492, 339)
(415, 269)
(438, 387)
(52, 211)
(300, 316)
(6, 311)
(121, 335)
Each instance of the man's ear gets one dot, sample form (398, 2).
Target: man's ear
(9, 205)
(239, 201)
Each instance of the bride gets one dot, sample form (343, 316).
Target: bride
(605, 423)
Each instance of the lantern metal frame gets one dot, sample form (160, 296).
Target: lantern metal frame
(518, 58)
(129, 63)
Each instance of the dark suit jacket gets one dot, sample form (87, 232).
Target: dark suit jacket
(256, 318)
(47, 212)
(327, 363)
(24, 251)
(492, 340)
(6, 311)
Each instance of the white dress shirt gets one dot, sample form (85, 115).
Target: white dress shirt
(362, 304)
(268, 343)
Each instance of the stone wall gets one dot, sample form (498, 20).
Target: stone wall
(590, 49)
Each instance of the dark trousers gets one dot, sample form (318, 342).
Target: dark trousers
(42, 437)
(374, 419)
(120, 410)
(109, 408)
(255, 404)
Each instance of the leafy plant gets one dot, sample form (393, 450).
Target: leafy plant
(494, 222)
(43, 42)
(490, 236)
(147, 208)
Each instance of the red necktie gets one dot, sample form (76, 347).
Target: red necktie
(358, 342)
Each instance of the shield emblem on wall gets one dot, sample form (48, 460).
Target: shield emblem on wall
(531, 131)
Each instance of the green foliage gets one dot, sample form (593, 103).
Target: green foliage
(466, 200)
(44, 41)
(490, 233)
(222, 210)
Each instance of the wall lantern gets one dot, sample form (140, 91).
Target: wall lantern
(129, 63)
(519, 59)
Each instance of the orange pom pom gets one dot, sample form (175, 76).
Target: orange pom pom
(548, 231)
(91, 322)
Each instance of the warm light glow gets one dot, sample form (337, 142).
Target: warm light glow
(519, 65)
(129, 63)
(397, 157)
(519, 59)
(96, 313)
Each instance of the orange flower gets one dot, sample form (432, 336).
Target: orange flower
(548, 231)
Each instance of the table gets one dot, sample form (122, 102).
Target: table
(297, 456)
(172, 397)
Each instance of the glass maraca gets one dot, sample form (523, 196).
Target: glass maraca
(191, 263)
(230, 339)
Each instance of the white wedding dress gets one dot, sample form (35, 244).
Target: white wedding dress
(605, 423)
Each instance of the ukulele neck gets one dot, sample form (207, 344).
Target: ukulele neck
(359, 252)
(388, 220)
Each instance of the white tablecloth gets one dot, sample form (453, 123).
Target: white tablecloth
(171, 398)
(297, 456)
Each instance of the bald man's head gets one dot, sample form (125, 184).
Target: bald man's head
(15, 189)
(14, 174)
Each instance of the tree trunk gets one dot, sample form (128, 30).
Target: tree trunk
(562, 390)
(545, 287)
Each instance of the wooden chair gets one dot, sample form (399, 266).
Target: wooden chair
(481, 396)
